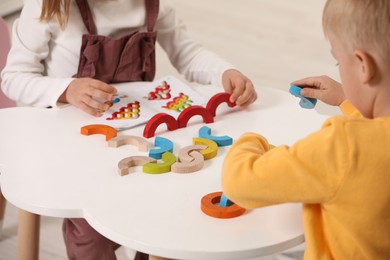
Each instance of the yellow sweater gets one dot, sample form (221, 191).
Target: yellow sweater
(341, 174)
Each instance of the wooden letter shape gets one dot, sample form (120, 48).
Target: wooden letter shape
(168, 159)
(106, 130)
(305, 102)
(139, 142)
(126, 163)
(191, 111)
(210, 206)
(165, 145)
(158, 119)
(187, 167)
(216, 100)
(184, 153)
(205, 132)
(211, 150)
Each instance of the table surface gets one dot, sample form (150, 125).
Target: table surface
(48, 168)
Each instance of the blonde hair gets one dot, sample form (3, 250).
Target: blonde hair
(362, 24)
(58, 9)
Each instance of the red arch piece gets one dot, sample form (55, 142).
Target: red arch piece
(158, 119)
(216, 100)
(191, 111)
(106, 130)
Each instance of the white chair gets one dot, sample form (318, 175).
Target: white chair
(29, 223)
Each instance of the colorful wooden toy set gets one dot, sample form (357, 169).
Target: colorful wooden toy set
(190, 159)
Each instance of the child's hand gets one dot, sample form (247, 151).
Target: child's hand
(83, 93)
(323, 88)
(241, 88)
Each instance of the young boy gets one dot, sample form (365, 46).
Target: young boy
(340, 173)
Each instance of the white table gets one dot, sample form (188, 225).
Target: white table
(49, 168)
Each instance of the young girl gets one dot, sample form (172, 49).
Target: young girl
(69, 51)
(45, 57)
(341, 172)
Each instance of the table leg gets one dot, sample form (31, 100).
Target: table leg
(28, 236)
(2, 210)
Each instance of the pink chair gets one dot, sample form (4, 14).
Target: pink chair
(5, 45)
(29, 223)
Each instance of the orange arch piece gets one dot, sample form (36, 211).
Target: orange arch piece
(216, 100)
(158, 119)
(210, 206)
(106, 130)
(191, 111)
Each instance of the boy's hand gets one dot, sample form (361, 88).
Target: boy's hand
(84, 92)
(323, 88)
(240, 87)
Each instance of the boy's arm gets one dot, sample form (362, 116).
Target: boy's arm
(253, 177)
(328, 91)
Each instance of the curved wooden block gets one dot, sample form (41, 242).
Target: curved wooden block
(216, 100)
(168, 159)
(137, 141)
(184, 153)
(205, 132)
(224, 201)
(126, 163)
(210, 206)
(305, 102)
(187, 167)
(106, 130)
(165, 145)
(211, 150)
(158, 119)
(191, 111)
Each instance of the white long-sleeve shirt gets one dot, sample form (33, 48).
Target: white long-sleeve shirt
(43, 58)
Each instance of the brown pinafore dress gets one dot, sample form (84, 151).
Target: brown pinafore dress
(130, 58)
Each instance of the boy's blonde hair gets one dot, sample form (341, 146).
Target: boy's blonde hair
(58, 9)
(360, 24)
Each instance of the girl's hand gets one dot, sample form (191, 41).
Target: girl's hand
(240, 87)
(84, 94)
(323, 88)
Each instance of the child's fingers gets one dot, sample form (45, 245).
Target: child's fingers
(308, 82)
(89, 110)
(311, 92)
(248, 96)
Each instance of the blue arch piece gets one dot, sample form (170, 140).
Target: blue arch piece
(225, 202)
(164, 144)
(205, 132)
(305, 101)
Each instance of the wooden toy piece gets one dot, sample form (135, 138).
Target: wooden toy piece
(224, 201)
(211, 150)
(187, 167)
(106, 130)
(184, 153)
(305, 101)
(158, 119)
(164, 144)
(216, 100)
(137, 141)
(126, 163)
(205, 132)
(168, 159)
(191, 111)
(210, 206)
